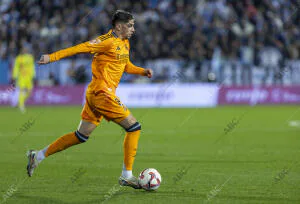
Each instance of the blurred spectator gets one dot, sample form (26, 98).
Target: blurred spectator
(178, 29)
(77, 74)
(270, 60)
(247, 59)
(52, 79)
(162, 77)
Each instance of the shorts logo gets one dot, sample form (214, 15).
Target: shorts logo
(126, 47)
(121, 104)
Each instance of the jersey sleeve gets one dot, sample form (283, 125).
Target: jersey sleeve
(93, 46)
(132, 69)
(16, 68)
(32, 66)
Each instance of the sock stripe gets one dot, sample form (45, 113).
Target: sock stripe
(136, 126)
(81, 137)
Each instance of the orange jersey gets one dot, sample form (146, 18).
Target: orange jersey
(111, 59)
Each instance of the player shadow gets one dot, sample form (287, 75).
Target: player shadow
(123, 194)
(32, 199)
(259, 198)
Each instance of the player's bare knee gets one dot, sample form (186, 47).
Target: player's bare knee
(135, 127)
(86, 128)
(85, 133)
(128, 122)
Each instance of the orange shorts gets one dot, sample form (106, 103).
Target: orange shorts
(103, 104)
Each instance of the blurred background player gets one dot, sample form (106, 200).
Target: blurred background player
(23, 76)
(111, 59)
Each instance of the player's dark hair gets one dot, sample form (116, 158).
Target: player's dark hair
(121, 16)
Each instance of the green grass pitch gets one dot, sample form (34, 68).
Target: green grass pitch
(212, 155)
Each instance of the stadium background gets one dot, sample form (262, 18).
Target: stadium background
(224, 43)
(204, 53)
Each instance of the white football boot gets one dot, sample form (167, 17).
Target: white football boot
(32, 161)
(132, 182)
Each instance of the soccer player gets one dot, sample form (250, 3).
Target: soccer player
(23, 75)
(111, 59)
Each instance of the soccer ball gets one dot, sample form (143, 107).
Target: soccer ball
(150, 179)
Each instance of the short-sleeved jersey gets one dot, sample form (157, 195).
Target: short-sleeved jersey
(24, 67)
(111, 59)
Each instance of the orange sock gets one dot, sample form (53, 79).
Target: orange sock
(65, 142)
(130, 146)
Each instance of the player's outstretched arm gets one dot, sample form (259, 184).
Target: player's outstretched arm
(88, 47)
(132, 69)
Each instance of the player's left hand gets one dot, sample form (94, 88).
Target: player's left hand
(148, 73)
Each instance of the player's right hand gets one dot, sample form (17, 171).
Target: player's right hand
(45, 59)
